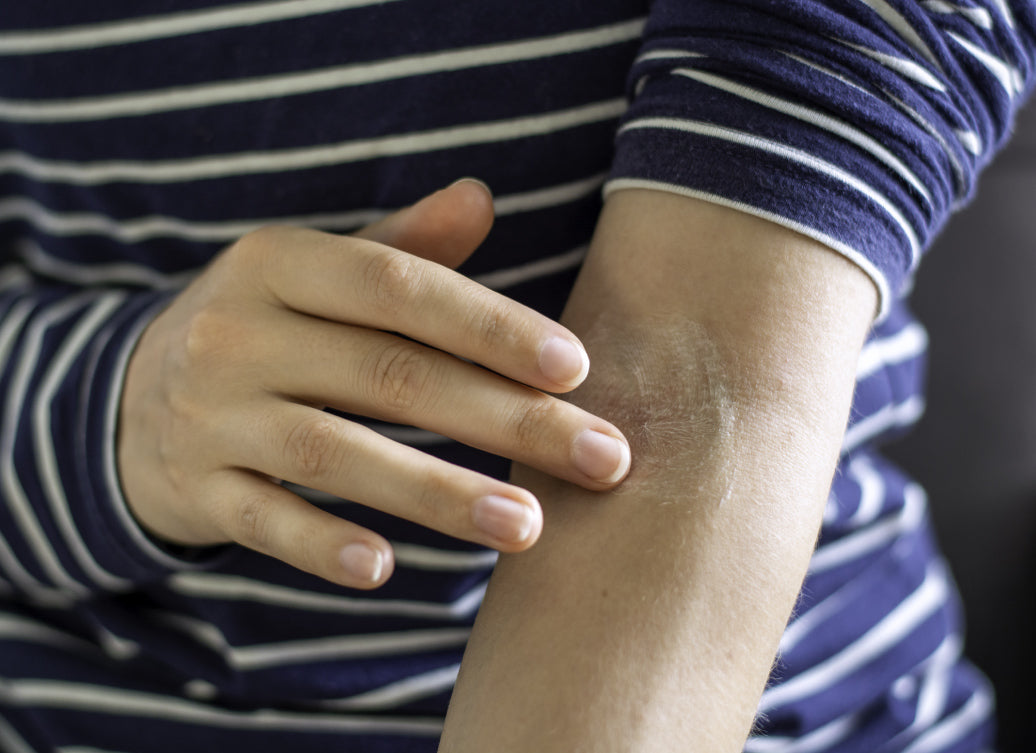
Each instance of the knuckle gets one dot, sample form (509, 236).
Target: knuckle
(251, 522)
(531, 422)
(211, 336)
(256, 259)
(496, 330)
(312, 447)
(248, 251)
(400, 374)
(391, 280)
(256, 244)
(431, 506)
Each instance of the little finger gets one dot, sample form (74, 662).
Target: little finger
(318, 450)
(263, 516)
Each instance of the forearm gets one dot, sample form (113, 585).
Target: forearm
(648, 618)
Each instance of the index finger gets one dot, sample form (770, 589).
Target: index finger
(364, 283)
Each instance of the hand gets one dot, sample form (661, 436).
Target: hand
(224, 394)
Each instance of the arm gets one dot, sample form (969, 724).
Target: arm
(653, 617)
(647, 618)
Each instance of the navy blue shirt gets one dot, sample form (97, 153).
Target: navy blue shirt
(138, 139)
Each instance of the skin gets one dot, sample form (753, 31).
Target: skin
(224, 394)
(648, 616)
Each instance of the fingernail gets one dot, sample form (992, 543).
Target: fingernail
(502, 518)
(362, 562)
(564, 362)
(600, 456)
(472, 180)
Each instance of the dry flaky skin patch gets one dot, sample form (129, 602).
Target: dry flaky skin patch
(665, 384)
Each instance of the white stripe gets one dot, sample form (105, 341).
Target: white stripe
(116, 646)
(837, 603)
(821, 739)
(102, 274)
(20, 506)
(884, 293)
(1005, 12)
(264, 656)
(551, 196)
(902, 27)
(888, 417)
(398, 693)
(954, 727)
(233, 588)
(789, 153)
(936, 684)
(873, 537)
(662, 54)
(301, 158)
(958, 170)
(978, 16)
(1008, 76)
(872, 491)
(36, 591)
(426, 558)
(11, 325)
(909, 342)
(501, 279)
(902, 66)
(927, 688)
(816, 118)
(46, 453)
(140, 229)
(910, 613)
(345, 647)
(827, 72)
(14, 628)
(99, 699)
(136, 230)
(294, 84)
(200, 690)
(971, 141)
(11, 741)
(10, 565)
(174, 24)
(959, 174)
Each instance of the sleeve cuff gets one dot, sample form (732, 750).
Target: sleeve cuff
(778, 182)
(118, 542)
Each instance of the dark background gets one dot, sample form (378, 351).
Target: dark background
(975, 449)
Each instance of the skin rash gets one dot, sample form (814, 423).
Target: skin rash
(671, 416)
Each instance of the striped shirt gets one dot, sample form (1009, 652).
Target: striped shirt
(137, 139)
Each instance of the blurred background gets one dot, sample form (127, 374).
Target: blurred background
(975, 449)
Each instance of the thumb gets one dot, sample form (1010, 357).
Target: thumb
(444, 227)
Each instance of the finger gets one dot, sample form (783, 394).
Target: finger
(263, 516)
(366, 284)
(318, 450)
(382, 376)
(444, 227)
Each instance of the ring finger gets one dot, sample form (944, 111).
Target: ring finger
(306, 446)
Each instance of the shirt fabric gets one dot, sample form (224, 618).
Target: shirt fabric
(138, 139)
